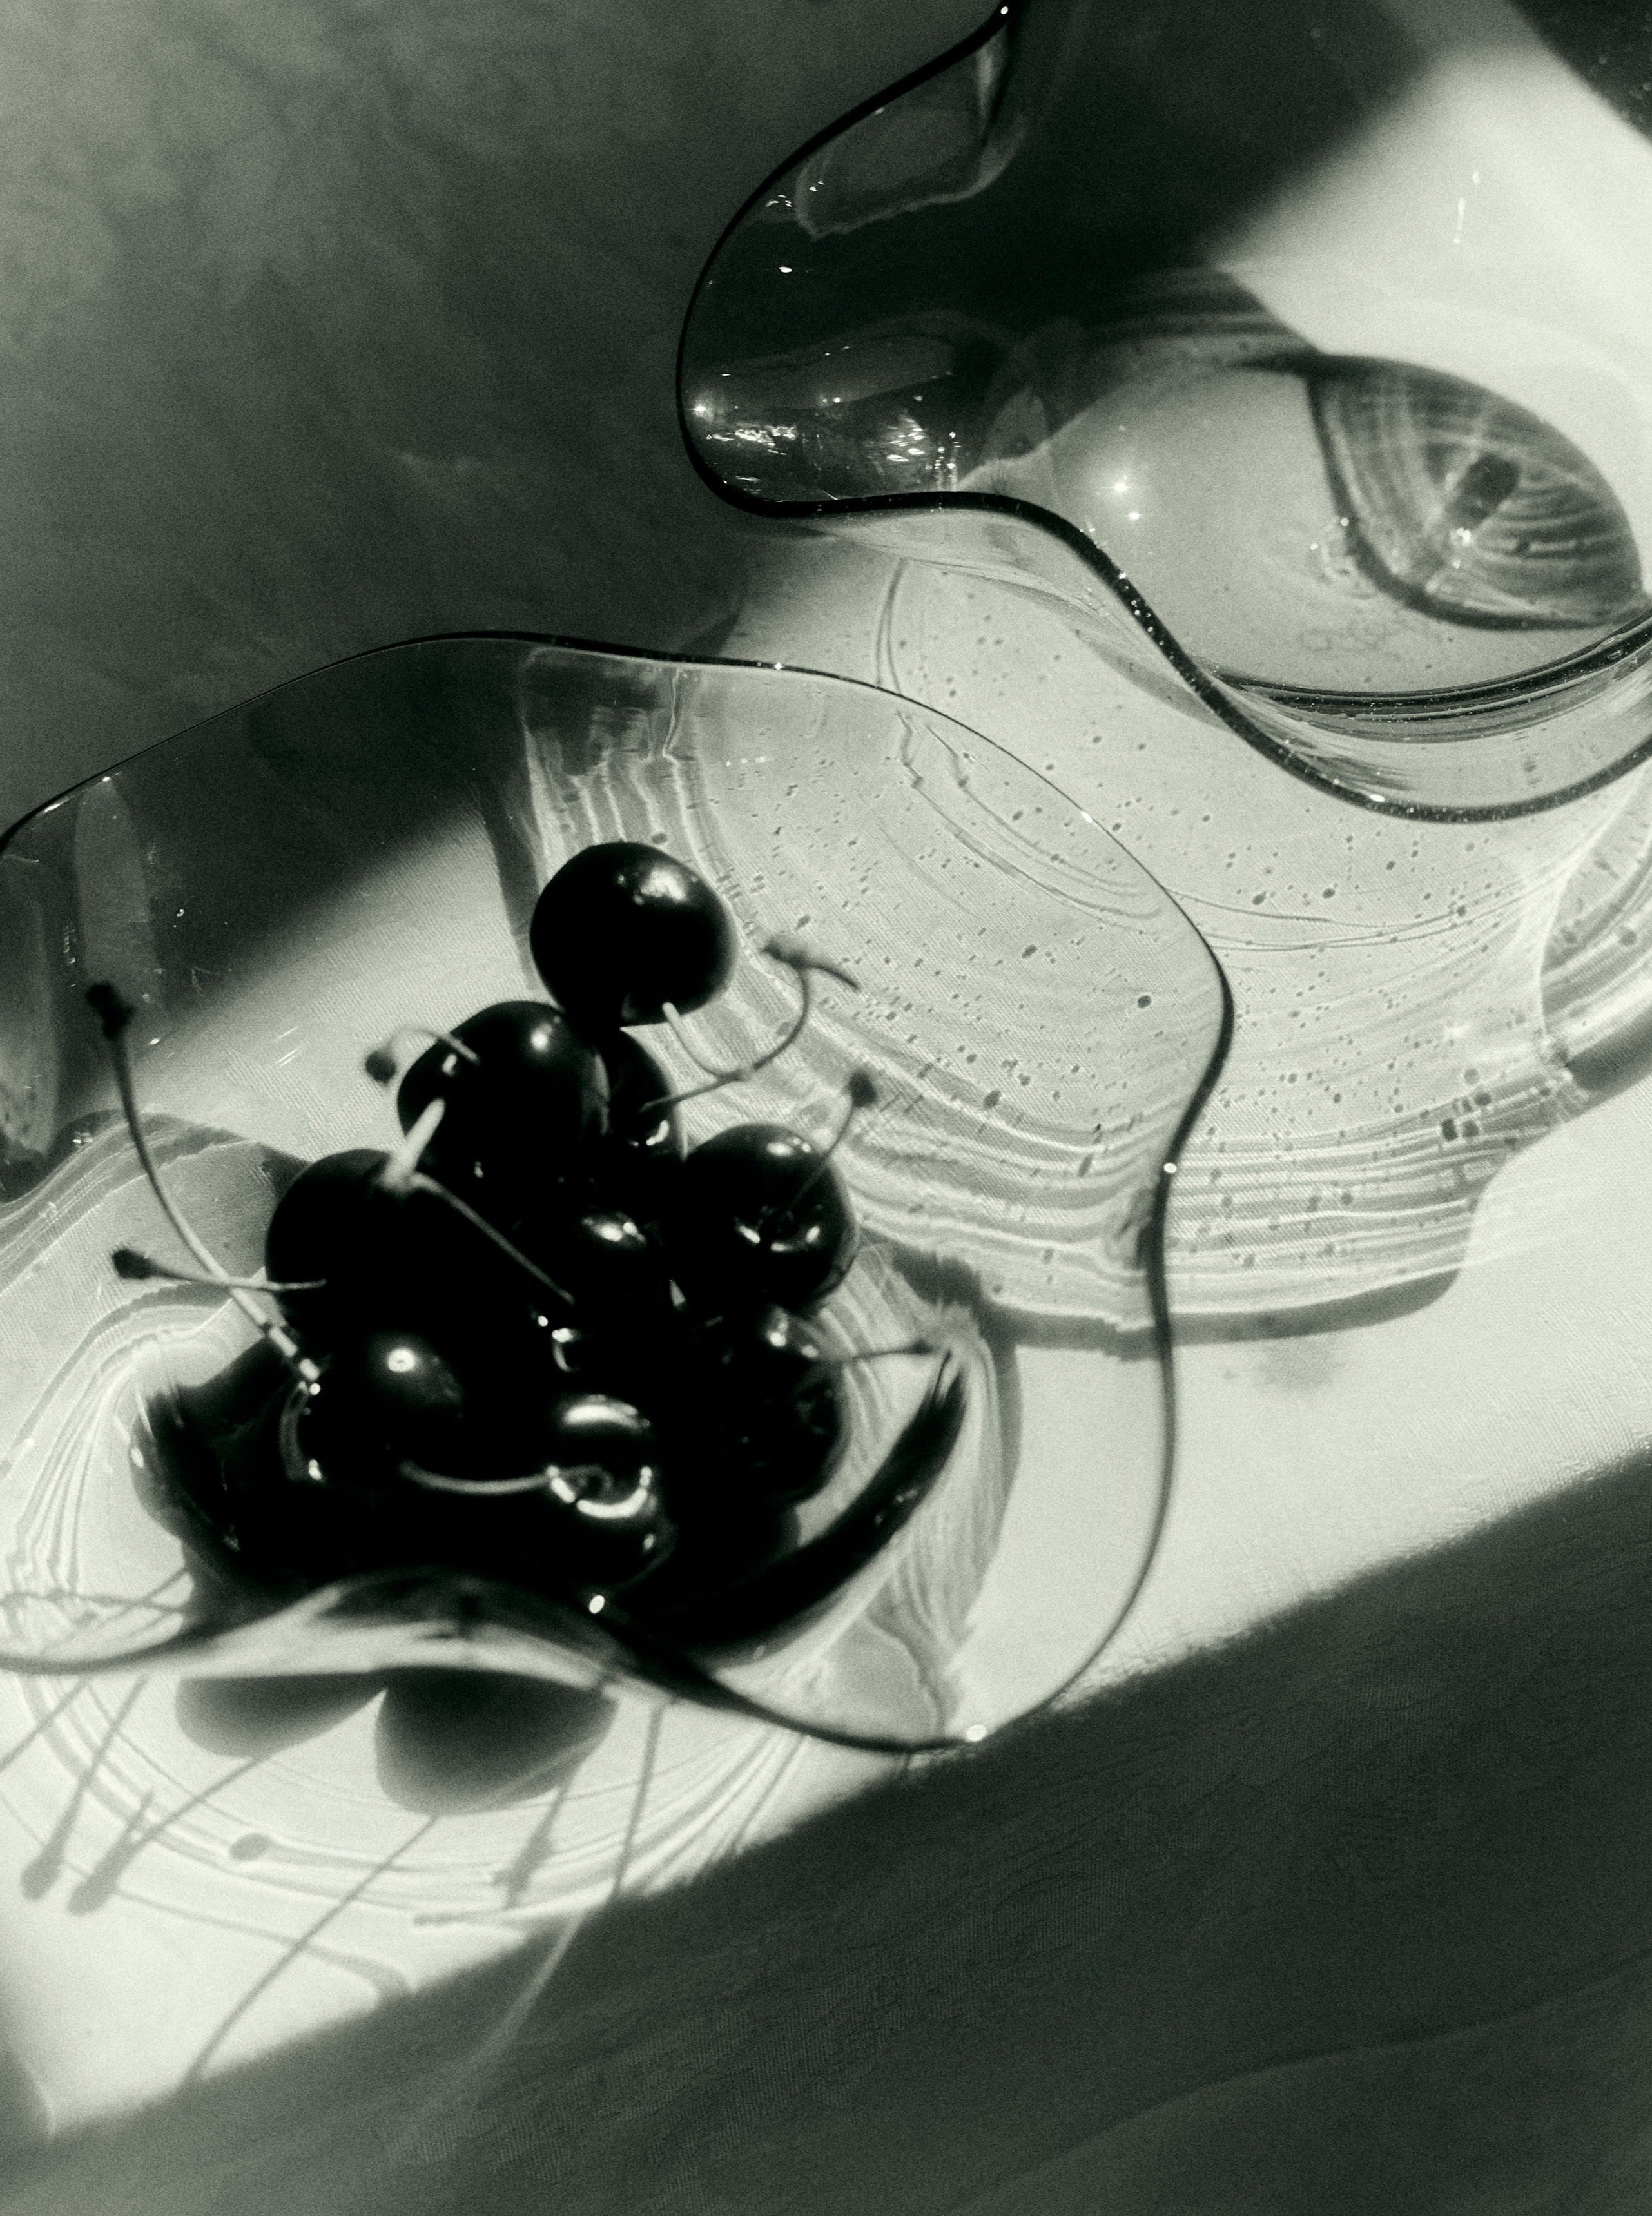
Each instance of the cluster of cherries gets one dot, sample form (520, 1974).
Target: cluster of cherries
(540, 1340)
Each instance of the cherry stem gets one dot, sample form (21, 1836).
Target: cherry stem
(802, 966)
(401, 1174)
(115, 1014)
(401, 1167)
(876, 1354)
(862, 1094)
(380, 1064)
(497, 1488)
(132, 1264)
(420, 1183)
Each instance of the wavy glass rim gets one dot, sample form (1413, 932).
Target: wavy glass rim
(442, 1611)
(1219, 691)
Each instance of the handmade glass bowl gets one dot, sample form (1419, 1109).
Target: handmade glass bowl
(276, 890)
(1371, 470)
(1187, 431)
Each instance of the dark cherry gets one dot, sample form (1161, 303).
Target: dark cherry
(220, 1447)
(385, 1397)
(598, 1517)
(331, 1226)
(720, 1545)
(767, 1413)
(595, 1431)
(636, 1087)
(239, 1458)
(622, 929)
(611, 1266)
(635, 1163)
(588, 1532)
(397, 1258)
(758, 1219)
(386, 1464)
(519, 1117)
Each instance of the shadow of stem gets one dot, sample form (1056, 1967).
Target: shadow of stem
(1421, 1803)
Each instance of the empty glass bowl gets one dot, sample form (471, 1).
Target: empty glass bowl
(1283, 335)
(278, 889)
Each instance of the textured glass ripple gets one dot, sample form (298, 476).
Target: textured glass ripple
(286, 884)
(1417, 1003)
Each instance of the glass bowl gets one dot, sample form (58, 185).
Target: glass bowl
(1121, 422)
(279, 889)
(1288, 348)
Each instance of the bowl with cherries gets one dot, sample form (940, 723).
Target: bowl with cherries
(690, 1315)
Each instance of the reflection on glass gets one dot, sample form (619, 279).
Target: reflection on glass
(1328, 526)
(1041, 1021)
(1470, 508)
(1397, 580)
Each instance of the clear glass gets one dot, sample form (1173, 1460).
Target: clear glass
(277, 890)
(1291, 348)
(1011, 347)
(1055, 371)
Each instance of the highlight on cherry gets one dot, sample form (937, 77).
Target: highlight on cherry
(544, 1335)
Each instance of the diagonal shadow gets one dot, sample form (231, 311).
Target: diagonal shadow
(1422, 1804)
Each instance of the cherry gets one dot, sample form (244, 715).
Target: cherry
(221, 1442)
(768, 1409)
(583, 1533)
(386, 1463)
(623, 929)
(634, 1165)
(760, 1218)
(400, 1257)
(625, 1324)
(261, 1506)
(325, 1232)
(638, 1094)
(592, 1430)
(523, 1095)
(611, 1264)
(720, 1544)
(590, 1512)
(383, 1397)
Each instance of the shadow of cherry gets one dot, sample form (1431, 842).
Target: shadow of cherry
(256, 1716)
(446, 1741)
(451, 1741)
(1359, 1904)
